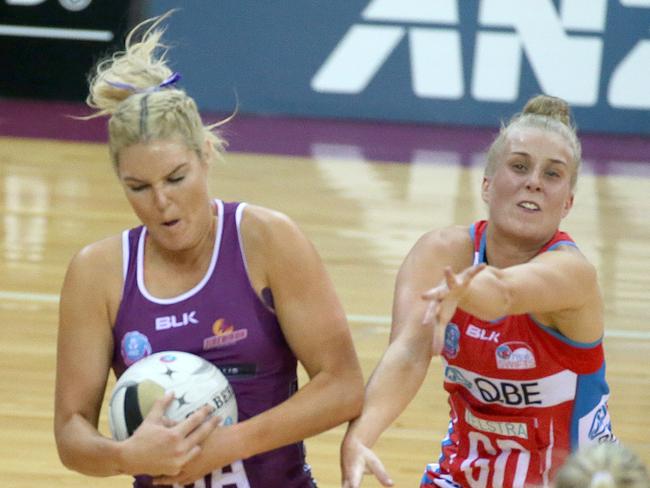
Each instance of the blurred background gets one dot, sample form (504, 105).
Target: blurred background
(432, 61)
(364, 120)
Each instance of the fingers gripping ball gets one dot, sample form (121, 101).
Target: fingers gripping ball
(193, 381)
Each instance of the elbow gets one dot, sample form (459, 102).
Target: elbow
(63, 447)
(67, 463)
(68, 450)
(67, 460)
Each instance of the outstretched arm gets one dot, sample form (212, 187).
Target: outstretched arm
(559, 288)
(404, 365)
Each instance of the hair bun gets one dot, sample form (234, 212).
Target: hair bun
(549, 106)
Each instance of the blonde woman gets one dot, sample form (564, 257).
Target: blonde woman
(515, 311)
(239, 273)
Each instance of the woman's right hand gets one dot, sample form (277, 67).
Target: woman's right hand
(443, 300)
(356, 460)
(160, 446)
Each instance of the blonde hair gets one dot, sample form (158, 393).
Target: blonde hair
(606, 465)
(134, 88)
(541, 112)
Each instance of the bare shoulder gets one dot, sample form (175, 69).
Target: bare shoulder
(424, 264)
(451, 244)
(261, 226)
(263, 216)
(272, 243)
(447, 237)
(96, 270)
(572, 261)
(577, 280)
(100, 256)
(575, 265)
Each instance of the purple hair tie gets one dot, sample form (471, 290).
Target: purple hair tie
(171, 80)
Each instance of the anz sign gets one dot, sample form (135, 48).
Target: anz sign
(471, 62)
(564, 43)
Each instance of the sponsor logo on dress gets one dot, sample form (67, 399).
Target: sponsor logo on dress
(452, 339)
(601, 426)
(545, 391)
(173, 321)
(224, 335)
(511, 429)
(135, 345)
(454, 375)
(482, 334)
(515, 355)
(596, 425)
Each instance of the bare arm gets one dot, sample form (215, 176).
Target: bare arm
(84, 349)
(314, 324)
(404, 365)
(559, 287)
(316, 329)
(84, 352)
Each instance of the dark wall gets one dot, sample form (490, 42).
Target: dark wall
(47, 47)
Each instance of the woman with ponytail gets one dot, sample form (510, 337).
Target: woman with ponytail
(253, 293)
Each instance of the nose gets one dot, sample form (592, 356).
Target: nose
(161, 200)
(534, 181)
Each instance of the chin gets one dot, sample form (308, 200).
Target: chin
(536, 233)
(530, 229)
(171, 243)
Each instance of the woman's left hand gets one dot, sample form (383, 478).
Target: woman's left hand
(200, 465)
(443, 301)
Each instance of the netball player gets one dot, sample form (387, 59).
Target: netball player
(514, 309)
(237, 284)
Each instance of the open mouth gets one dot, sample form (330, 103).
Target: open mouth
(529, 206)
(171, 223)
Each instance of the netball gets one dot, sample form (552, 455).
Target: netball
(193, 381)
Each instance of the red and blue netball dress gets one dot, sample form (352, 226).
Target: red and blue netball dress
(522, 396)
(223, 320)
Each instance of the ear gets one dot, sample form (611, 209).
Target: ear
(485, 189)
(206, 153)
(568, 205)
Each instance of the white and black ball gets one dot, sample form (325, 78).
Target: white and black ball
(193, 380)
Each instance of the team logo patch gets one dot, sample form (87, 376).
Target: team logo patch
(223, 335)
(135, 346)
(452, 340)
(454, 375)
(601, 427)
(515, 355)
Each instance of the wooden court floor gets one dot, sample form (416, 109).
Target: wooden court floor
(363, 217)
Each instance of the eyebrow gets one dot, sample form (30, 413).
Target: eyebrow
(552, 160)
(137, 180)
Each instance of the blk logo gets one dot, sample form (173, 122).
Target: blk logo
(173, 321)
(482, 334)
(564, 47)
